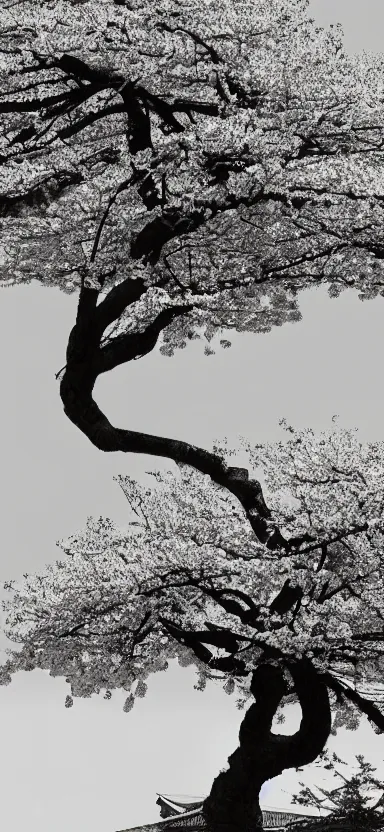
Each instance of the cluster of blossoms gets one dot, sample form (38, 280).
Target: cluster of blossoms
(264, 157)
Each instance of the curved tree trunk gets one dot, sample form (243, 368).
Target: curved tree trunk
(86, 360)
(233, 804)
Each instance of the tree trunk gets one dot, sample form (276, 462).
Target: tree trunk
(233, 803)
(87, 359)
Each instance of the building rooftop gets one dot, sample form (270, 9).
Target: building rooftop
(187, 815)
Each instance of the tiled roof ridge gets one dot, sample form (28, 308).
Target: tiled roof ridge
(197, 807)
(195, 820)
(176, 805)
(183, 804)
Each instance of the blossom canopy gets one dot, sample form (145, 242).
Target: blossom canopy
(188, 579)
(228, 155)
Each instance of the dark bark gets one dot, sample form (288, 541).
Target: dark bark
(39, 194)
(150, 241)
(364, 705)
(218, 637)
(86, 359)
(286, 598)
(233, 804)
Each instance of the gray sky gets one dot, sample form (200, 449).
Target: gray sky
(362, 22)
(93, 768)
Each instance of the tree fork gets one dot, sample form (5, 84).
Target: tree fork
(233, 803)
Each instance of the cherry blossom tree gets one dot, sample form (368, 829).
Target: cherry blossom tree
(189, 580)
(187, 168)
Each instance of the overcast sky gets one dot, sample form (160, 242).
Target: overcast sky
(93, 768)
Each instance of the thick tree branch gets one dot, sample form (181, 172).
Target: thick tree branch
(79, 69)
(40, 194)
(37, 104)
(116, 301)
(129, 346)
(195, 37)
(226, 598)
(357, 528)
(286, 598)
(162, 108)
(76, 393)
(196, 641)
(90, 118)
(137, 101)
(150, 240)
(184, 105)
(368, 708)
(112, 199)
(315, 726)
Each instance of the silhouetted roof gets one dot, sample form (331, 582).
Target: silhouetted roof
(188, 816)
(175, 805)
